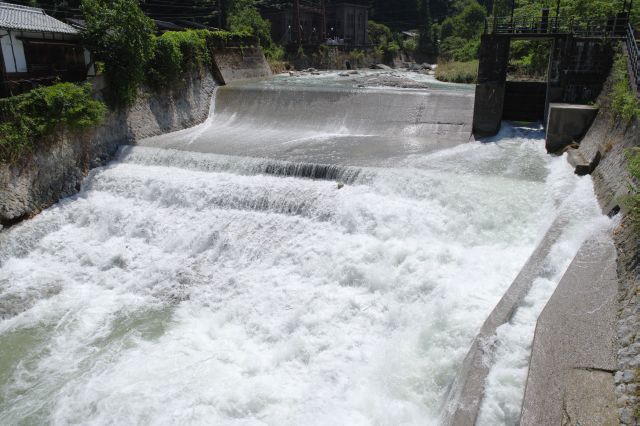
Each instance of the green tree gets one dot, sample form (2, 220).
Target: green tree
(248, 20)
(242, 16)
(121, 36)
(378, 33)
(471, 21)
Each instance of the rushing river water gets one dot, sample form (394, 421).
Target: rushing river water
(329, 284)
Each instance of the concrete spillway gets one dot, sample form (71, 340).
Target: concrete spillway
(304, 257)
(328, 125)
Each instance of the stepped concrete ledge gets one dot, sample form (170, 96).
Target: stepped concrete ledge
(572, 361)
(464, 398)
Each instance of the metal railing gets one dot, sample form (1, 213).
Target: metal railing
(547, 25)
(634, 55)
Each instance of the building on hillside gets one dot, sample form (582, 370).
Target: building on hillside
(342, 23)
(37, 49)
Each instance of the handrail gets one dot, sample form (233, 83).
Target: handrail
(634, 55)
(557, 25)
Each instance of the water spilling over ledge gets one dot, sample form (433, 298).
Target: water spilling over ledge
(320, 265)
(327, 125)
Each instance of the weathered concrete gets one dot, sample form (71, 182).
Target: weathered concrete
(490, 90)
(242, 63)
(572, 362)
(56, 169)
(610, 138)
(567, 124)
(578, 69)
(465, 397)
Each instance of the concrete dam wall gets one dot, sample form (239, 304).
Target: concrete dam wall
(268, 119)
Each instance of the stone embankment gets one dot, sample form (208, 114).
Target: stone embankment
(604, 147)
(586, 352)
(56, 169)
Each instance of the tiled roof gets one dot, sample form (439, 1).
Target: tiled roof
(16, 17)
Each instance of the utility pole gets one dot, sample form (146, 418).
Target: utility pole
(296, 21)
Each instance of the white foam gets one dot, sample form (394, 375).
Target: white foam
(172, 292)
(573, 198)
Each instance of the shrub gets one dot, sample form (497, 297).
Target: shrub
(393, 48)
(28, 117)
(166, 65)
(177, 53)
(458, 72)
(410, 45)
(121, 36)
(459, 50)
(356, 58)
(275, 53)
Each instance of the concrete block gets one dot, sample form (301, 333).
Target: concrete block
(233, 64)
(567, 123)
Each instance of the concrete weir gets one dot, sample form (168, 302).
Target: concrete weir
(465, 397)
(572, 363)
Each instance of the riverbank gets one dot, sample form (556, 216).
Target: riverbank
(609, 139)
(61, 160)
(56, 168)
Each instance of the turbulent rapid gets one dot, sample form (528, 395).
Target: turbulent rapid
(228, 275)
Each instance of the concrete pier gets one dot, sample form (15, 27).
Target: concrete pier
(567, 124)
(490, 90)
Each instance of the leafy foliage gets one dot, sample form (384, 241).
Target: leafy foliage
(633, 201)
(529, 59)
(248, 20)
(28, 117)
(458, 49)
(177, 53)
(121, 36)
(624, 104)
(379, 34)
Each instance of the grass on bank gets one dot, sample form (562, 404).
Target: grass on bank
(458, 72)
(625, 107)
(624, 103)
(633, 201)
(25, 119)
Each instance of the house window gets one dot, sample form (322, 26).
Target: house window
(52, 58)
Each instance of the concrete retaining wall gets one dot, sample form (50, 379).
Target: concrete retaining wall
(572, 362)
(603, 152)
(56, 169)
(241, 63)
